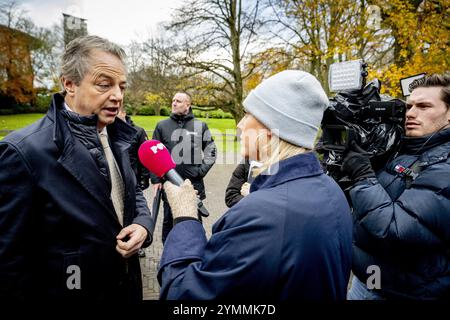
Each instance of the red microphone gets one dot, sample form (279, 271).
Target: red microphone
(157, 159)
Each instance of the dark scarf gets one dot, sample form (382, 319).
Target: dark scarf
(413, 145)
(182, 117)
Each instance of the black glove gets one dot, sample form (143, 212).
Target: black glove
(144, 183)
(357, 164)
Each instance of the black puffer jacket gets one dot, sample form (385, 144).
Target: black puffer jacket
(191, 146)
(405, 229)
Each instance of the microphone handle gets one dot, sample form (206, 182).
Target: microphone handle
(202, 209)
(174, 177)
(177, 180)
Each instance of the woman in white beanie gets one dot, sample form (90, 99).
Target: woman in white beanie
(290, 238)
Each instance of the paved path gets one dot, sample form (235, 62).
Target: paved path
(216, 182)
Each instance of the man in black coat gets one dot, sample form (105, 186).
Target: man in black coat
(72, 217)
(192, 148)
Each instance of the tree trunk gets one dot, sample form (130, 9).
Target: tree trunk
(234, 24)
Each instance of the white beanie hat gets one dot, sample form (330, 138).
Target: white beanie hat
(292, 102)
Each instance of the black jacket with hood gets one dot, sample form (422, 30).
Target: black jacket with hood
(191, 146)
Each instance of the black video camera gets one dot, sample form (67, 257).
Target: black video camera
(362, 115)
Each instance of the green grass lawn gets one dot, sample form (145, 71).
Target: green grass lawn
(17, 121)
(218, 127)
(215, 125)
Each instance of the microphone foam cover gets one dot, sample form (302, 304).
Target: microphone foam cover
(155, 157)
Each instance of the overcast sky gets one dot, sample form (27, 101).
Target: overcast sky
(120, 21)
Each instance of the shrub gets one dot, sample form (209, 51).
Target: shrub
(22, 108)
(8, 107)
(128, 108)
(5, 112)
(217, 114)
(164, 111)
(42, 103)
(146, 111)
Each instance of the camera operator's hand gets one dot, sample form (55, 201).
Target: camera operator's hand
(357, 164)
(182, 199)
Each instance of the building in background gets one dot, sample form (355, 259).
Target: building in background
(16, 70)
(74, 27)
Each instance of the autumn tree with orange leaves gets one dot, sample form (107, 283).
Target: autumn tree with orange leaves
(397, 38)
(421, 34)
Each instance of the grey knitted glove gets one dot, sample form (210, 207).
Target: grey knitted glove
(182, 199)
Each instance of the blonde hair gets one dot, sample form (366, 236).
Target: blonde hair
(277, 150)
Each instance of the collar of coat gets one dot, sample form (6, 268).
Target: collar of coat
(419, 145)
(182, 117)
(299, 166)
(118, 130)
(429, 149)
(71, 131)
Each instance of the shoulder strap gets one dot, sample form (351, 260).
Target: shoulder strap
(411, 173)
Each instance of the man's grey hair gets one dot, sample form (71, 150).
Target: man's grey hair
(75, 59)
